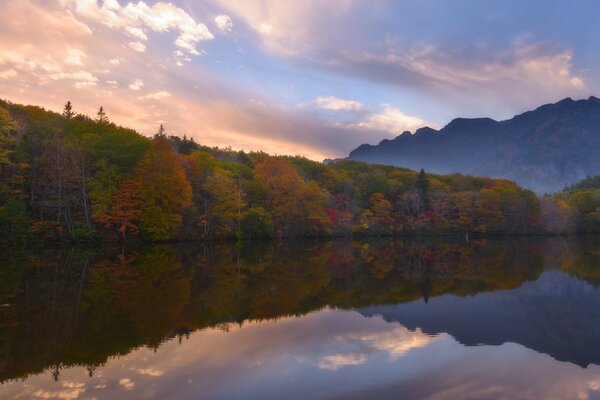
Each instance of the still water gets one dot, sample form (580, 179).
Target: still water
(426, 319)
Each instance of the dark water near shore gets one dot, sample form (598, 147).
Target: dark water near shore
(413, 319)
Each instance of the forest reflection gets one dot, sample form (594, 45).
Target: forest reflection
(78, 307)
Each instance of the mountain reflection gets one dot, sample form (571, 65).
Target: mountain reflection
(80, 307)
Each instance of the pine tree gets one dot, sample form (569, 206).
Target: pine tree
(102, 118)
(68, 112)
(161, 134)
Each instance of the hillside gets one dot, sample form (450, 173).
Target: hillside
(543, 150)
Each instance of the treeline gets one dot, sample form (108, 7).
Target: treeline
(70, 177)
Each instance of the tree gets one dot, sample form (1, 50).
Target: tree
(7, 125)
(280, 188)
(256, 223)
(68, 112)
(314, 201)
(102, 119)
(165, 191)
(226, 202)
(126, 212)
(422, 186)
(161, 134)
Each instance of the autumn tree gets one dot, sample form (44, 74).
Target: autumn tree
(226, 203)
(165, 191)
(126, 210)
(314, 201)
(281, 190)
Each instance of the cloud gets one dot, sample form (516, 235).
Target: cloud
(127, 383)
(71, 391)
(9, 73)
(265, 29)
(337, 104)
(135, 18)
(155, 96)
(224, 23)
(392, 120)
(367, 42)
(137, 46)
(396, 342)
(337, 361)
(136, 85)
(149, 371)
(75, 57)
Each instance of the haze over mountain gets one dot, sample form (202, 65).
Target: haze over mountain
(544, 150)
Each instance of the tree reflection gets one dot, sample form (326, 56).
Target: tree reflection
(80, 307)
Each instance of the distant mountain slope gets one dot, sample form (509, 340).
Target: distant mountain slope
(543, 150)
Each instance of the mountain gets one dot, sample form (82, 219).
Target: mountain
(544, 150)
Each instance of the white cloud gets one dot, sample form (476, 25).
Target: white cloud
(75, 56)
(136, 85)
(138, 46)
(135, 18)
(337, 104)
(398, 341)
(82, 85)
(83, 76)
(265, 29)
(115, 61)
(155, 96)
(224, 23)
(393, 121)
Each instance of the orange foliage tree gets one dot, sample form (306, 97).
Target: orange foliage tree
(165, 192)
(126, 210)
(281, 188)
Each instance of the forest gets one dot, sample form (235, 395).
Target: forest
(71, 178)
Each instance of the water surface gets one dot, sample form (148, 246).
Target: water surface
(432, 319)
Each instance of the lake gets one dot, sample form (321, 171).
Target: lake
(413, 319)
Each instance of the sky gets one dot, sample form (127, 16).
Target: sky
(314, 78)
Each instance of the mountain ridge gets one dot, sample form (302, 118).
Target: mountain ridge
(544, 149)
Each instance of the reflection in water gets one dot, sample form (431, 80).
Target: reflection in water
(268, 320)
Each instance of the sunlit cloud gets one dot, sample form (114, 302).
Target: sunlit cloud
(396, 342)
(337, 104)
(135, 18)
(137, 46)
(136, 85)
(392, 120)
(224, 23)
(75, 57)
(155, 96)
